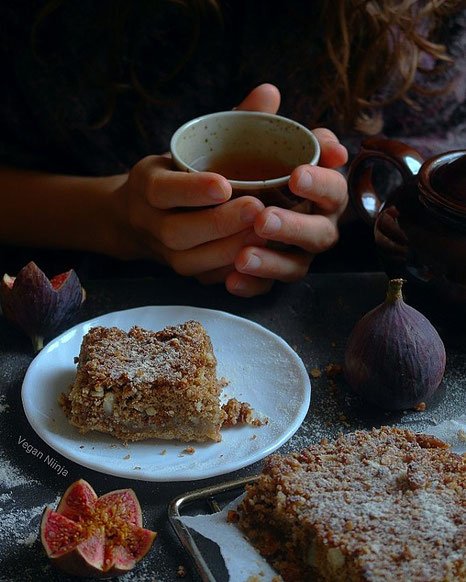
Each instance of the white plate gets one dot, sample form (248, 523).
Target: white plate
(261, 367)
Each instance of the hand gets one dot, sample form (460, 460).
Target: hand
(188, 221)
(257, 267)
(185, 220)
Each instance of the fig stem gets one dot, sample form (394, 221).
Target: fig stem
(394, 292)
(37, 342)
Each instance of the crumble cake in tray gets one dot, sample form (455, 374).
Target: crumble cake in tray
(385, 505)
(141, 384)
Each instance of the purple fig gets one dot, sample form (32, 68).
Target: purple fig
(39, 306)
(394, 357)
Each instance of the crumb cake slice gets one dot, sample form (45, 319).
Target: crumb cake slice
(141, 384)
(372, 506)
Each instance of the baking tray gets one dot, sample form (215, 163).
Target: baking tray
(206, 500)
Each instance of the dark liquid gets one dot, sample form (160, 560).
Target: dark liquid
(243, 167)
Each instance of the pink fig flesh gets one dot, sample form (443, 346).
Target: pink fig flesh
(77, 501)
(39, 306)
(92, 536)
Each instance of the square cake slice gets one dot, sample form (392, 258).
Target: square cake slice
(141, 384)
(382, 505)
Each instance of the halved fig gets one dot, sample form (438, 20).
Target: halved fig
(39, 306)
(95, 536)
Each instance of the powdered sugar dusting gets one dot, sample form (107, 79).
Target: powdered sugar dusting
(21, 526)
(11, 476)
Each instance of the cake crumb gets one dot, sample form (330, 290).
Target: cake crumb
(316, 373)
(181, 571)
(126, 457)
(163, 452)
(333, 370)
(189, 450)
(232, 516)
(420, 407)
(241, 413)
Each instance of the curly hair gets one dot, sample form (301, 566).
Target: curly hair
(374, 52)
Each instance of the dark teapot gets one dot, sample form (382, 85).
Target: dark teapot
(419, 224)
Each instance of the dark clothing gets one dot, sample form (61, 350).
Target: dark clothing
(72, 93)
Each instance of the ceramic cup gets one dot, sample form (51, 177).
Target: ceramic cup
(255, 151)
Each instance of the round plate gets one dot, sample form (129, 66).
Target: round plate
(261, 368)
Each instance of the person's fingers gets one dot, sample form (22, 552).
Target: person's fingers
(180, 231)
(155, 178)
(216, 275)
(312, 232)
(212, 255)
(332, 153)
(272, 264)
(265, 98)
(326, 188)
(246, 286)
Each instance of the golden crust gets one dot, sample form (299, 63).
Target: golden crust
(141, 384)
(382, 505)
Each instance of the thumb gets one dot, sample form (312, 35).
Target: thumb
(265, 98)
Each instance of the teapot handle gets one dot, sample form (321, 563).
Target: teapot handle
(362, 192)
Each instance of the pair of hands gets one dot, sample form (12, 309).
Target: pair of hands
(188, 221)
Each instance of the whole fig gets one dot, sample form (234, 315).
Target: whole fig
(39, 306)
(394, 357)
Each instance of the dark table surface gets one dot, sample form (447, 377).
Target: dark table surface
(314, 316)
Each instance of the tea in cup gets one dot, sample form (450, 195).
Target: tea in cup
(256, 152)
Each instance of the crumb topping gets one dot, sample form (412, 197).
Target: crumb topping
(381, 505)
(165, 357)
(141, 384)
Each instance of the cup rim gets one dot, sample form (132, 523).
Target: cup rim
(245, 184)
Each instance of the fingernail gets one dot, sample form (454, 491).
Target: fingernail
(253, 263)
(216, 192)
(248, 213)
(272, 225)
(305, 182)
(238, 285)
